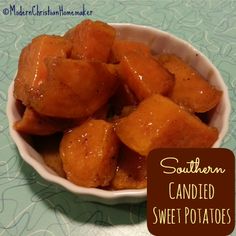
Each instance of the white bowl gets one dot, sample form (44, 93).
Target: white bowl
(158, 41)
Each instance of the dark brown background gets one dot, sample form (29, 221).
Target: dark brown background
(158, 193)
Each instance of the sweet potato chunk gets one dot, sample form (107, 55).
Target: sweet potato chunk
(34, 123)
(127, 110)
(53, 160)
(32, 70)
(97, 105)
(75, 88)
(122, 48)
(158, 122)
(91, 40)
(190, 89)
(131, 171)
(145, 76)
(89, 152)
(101, 113)
(48, 147)
(122, 97)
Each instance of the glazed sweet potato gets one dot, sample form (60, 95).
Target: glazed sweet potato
(34, 123)
(127, 110)
(131, 170)
(122, 48)
(109, 102)
(89, 152)
(32, 70)
(48, 147)
(145, 76)
(102, 112)
(160, 123)
(75, 88)
(52, 159)
(91, 40)
(122, 97)
(191, 89)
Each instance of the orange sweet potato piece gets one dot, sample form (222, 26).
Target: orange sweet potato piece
(145, 76)
(127, 110)
(122, 97)
(102, 112)
(89, 152)
(32, 70)
(48, 147)
(121, 48)
(34, 123)
(53, 160)
(91, 40)
(190, 89)
(131, 170)
(75, 88)
(160, 123)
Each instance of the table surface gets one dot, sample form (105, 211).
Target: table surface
(30, 205)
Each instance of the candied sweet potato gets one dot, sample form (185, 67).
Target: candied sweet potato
(101, 113)
(79, 82)
(52, 159)
(160, 123)
(131, 170)
(89, 152)
(48, 147)
(145, 76)
(34, 123)
(32, 70)
(122, 97)
(74, 88)
(190, 89)
(121, 48)
(91, 40)
(127, 110)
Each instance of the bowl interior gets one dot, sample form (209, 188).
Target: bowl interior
(158, 41)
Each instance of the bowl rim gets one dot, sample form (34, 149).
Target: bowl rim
(100, 195)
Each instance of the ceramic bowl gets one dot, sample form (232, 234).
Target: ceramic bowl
(158, 41)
